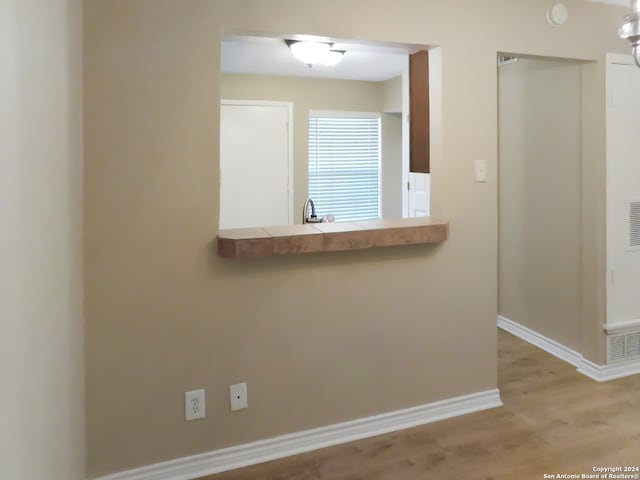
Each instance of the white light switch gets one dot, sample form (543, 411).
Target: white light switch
(480, 166)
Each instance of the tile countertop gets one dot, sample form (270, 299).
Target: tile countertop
(330, 237)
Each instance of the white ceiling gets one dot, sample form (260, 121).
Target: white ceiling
(271, 56)
(362, 60)
(623, 3)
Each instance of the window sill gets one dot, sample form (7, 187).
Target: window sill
(330, 237)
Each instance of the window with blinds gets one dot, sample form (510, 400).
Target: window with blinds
(344, 165)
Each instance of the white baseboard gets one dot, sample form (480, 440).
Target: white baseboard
(599, 373)
(551, 346)
(189, 468)
(604, 373)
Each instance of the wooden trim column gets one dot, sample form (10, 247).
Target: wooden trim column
(419, 111)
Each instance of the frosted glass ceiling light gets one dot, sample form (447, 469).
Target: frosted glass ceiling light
(313, 53)
(631, 30)
(310, 52)
(333, 57)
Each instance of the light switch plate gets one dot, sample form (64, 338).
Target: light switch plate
(480, 167)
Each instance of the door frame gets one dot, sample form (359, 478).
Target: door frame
(289, 107)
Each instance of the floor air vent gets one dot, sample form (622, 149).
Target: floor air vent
(622, 347)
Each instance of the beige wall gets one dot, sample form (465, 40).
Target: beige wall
(391, 165)
(391, 168)
(540, 204)
(319, 338)
(392, 95)
(41, 344)
(306, 94)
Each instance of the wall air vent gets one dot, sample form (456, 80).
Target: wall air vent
(616, 348)
(505, 60)
(623, 347)
(632, 346)
(634, 225)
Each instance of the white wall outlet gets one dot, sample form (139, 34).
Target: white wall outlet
(194, 405)
(480, 167)
(238, 396)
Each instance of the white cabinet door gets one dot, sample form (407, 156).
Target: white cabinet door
(419, 192)
(255, 165)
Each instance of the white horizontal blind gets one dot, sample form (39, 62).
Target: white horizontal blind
(344, 166)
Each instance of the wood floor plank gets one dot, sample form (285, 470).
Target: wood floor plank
(554, 421)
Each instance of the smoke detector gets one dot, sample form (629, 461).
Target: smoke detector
(558, 14)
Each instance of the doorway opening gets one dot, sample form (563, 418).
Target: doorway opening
(540, 197)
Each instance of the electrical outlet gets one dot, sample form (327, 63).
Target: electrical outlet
(194, 405)
(238, 396)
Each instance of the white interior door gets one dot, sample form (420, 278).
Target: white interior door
(623, 191)
(255, 164)
(419, 194)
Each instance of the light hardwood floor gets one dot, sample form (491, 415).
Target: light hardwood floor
(554, 420)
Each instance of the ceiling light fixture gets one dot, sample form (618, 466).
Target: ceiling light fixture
(333, 57)
(313, 53)
(631, 30)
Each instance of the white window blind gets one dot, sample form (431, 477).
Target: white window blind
(344, 165)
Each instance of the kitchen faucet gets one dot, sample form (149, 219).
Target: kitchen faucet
(305, 213)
